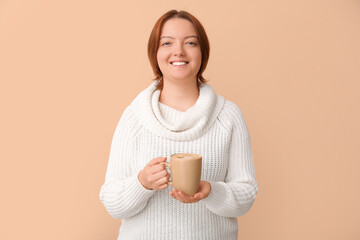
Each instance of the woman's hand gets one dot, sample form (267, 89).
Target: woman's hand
(154, 175)
(204, 191)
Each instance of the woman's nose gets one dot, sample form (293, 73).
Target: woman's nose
(179, 50)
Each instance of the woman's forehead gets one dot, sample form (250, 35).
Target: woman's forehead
(178, 27)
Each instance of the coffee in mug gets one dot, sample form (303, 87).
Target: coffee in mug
(185, 170)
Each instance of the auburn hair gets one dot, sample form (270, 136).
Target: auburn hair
(154, 41)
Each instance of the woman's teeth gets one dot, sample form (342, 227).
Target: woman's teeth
(178, 63)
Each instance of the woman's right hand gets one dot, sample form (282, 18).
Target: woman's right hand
(154, 175)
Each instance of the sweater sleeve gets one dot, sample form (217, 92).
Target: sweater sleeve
(235, 196)
(122, 193)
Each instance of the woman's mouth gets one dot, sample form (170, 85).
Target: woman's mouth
(179, 63)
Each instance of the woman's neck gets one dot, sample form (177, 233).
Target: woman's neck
(179, 96)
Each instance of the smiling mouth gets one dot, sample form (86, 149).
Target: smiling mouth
(179, 63)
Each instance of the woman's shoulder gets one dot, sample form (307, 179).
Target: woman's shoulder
(231, 115)
(128, 123)
(139, 104)
(232, 108)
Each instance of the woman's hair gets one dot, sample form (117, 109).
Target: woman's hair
(153, 44)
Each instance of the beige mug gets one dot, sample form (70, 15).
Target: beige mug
(185, 170)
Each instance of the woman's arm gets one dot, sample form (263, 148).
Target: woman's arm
(236, 195)
(122, 194)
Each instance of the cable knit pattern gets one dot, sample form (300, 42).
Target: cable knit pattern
(213, 127)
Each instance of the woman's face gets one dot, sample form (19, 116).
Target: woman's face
(179, 55)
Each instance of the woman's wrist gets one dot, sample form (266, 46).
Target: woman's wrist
(140, 180)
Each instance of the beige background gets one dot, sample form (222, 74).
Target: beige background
(69, 68)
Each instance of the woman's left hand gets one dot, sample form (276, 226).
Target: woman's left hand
(204, 191)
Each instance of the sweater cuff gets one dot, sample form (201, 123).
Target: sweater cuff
(138, 190)
(217, 196)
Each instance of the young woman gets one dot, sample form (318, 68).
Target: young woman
(179, 113)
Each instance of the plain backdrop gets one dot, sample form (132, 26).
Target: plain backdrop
(69, 68)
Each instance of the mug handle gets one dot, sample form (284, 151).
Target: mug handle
(168, 165)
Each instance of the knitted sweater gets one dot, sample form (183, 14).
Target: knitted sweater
(214, 128)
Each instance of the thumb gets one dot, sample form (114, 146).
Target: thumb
(199, 195)
(157, 160)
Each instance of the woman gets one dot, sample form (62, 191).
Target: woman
(179, 113)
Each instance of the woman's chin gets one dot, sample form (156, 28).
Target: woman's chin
(180, 78)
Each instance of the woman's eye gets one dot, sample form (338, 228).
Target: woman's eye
(165, 44)
(192, 43)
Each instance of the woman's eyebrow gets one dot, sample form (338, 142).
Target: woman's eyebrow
(184, 37)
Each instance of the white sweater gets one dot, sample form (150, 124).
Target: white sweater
(213, 127)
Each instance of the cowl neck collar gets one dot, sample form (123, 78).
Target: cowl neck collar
(195, 121)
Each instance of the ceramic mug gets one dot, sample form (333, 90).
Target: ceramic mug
(185, 172)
